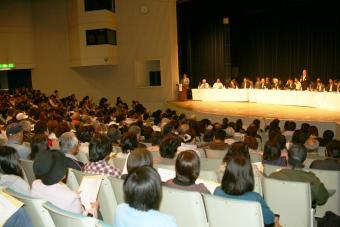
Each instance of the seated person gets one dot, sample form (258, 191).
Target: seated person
(297, 154)
(189, 142)
(69, 145)
(238, 183)
(11, 173)
(50, 170)
(312, 142)
(204, 84)
(143, 193)
(332, 160)
(272, 154)
(99, 151)
(218, 84)
(15, 139)
(168, 149)
(128, 143)
(327, 137)
(187, 172)
(137, 158)
(218, 140)
(39, 142)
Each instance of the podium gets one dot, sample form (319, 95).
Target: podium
(182, 93)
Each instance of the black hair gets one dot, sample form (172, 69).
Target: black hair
(100, 146)
(137, 158)
(168, 146)
(113, 133)
(39, 142)
(333, 149)
(84, 133)
(40, 127)
(220, 135)
(9, 161)
(128, 142)
(299, 137)
(328, 135)
(143, 189)
(297, 154)
(187, 166)
(272, 151)
(238, 177)
(237, 148)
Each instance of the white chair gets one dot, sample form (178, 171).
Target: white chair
(291, 200)
(268, 169)
(117, 149)
(63, 218)
(216, 154)
(34, 208)
(210, 164)
(117, 162)
(83, 157)
(27, 166)
(106, 196)
(186, 206)
(117, 185)
(255, 157)
(331, 180)
(230, 212)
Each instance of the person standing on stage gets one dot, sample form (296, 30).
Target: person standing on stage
(218, 84)
(304, 80)
(185, 81)
(204, 84)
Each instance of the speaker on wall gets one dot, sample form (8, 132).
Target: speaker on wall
(155, 78)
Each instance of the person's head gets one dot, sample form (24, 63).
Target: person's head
(220, 135)
(189, 136)
(9, 161)
(143, 189)
(84, 133)
(40, 127)
(128, 142)
(304, 72)
(299, 137)
(218, 80)
(187, 166)
(156, 138)
(101, 129)
(114, 133)
(297, 154)
(204, 81)
(328, 135)
(333, 149)
(238, 177)
(99, 148)
(50, 166)
(147, 132)
(239, 125)
(305, 127)
(135, 130)
(39, 142)
(230, 132)
(252, 130)
(14, 132)
(272, 151)
(251, 142)
(137, 158)
(313, 131)
(61, 128)
(69, 143)
(168, 146)
(238, 148)
(291, 126)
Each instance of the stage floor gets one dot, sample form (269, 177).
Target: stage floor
(256, 110)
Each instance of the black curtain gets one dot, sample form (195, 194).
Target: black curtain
(282, 43)
(204, 45)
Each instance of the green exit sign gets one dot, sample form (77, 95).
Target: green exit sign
(7, 66)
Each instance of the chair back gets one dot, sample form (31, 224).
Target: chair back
(65, 218)
(27, 166)
(186, 206)
(117, 185)
(210, 164)
(331, 180)
(83, 157)
(231, 212)
(34, 208)
(269, 169)
(215, 154)
(117, 162)
(255, 157)
(72, 181)
(291, 200)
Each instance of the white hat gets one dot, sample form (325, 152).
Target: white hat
(21, 116)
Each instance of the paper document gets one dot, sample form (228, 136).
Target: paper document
(8, 206)
(89, 188)
(166, 174)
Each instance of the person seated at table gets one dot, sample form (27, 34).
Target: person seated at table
(246, 84)
(276, 84)
(204, 84)
(332, 160)
(258, 83)
(330, 86)
(297, 84)
(337, 84)
(319, 86)
(218, 84)
(143, 193)
(233, 84)
(187, 171)
(267, 83)
(290, 85)
(263, 83)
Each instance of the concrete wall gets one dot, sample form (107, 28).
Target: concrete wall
(140, 36)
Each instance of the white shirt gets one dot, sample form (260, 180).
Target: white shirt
(185, 147)
(15, 183)
(218, 85)
(58, 194)
(204, 86)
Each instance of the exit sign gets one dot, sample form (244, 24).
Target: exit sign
(7, 66)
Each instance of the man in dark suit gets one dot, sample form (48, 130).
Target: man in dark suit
(304, 80)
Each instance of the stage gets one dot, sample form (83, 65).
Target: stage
(215, 111)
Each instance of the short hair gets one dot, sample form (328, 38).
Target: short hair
(168, 146)
(128, 142)
(9, 161)
(114, 133)
(251, 142)
(135, 129)
(187, 166)
(297, 154)
(257, 123)
(137, 158)
(147, 132)
(39, 142)
(328, 135)
(101, 128)
(252, 130)
(61, 128)
(237, 148)
(67, 141)
(84, 133)
(143, 189)
(272, 151)
(100, 146)
(333, 149)
(238, 125)
(313, 130)
(305, 127)
(156, 138)
(238, 177)
(220, 134)
(291, 126)
(299, 137)
(40, 127)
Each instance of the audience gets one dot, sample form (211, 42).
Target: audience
(187, 172)
(272, 154)
(15, 136)
(39, 142)
(137, 158)
(69, 145)
(143, 195)
(332, 160)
